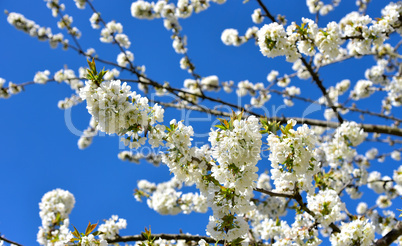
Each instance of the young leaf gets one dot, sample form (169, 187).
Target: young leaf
(76, 233)
(90, 228)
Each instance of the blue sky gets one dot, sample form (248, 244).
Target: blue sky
(38, 153)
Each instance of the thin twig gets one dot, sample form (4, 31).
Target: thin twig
(9, 241)
(187, 238)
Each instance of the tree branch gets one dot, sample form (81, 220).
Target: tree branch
(273, 193)
(390, 236)
(176, 237)
(272, 18)
(299, 200)
(9, 241)
(313, 122)
(318, 81)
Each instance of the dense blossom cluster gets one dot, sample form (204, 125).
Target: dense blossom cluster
(360, 232)
(313, 167)
(236, 148)
(363, 32)
(347, 135)
(118, 110)
(165, 199)
(326, 205)
(292, 158)
(55, 207)
(110, 229)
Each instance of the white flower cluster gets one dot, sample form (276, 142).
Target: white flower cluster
(217, 230)
(231, 36)
(371, 153)
(301, 232)
(179, 44)
(55, 6)
(111, 227)
(55, 207)
(88, 134)
(65, 20)
(68, 76)
(91, 241)
(154, 159)
(12, 89)
(396, 155)
(237, 151)
(125, 58)
(180, 157)
(95, 20)
(315, 6)
(165, 199)
(193, 87)
(169, 11)
(363, 89)
(395, 91)
(358, 232)
(210, 83)
(363, 32)
(118, 110)
(41, 77)
(80, 3)
(69, 102)
(111, 74)
(376, 73)
(246, 87)
(34, 30)
(351, 131)
(257, 16)
(292, 158)
(339, 149)
(379, 184)
(236, 148)
(273, 42)
(334, 92)
(361, 208)
(326, 205)
(113, 32)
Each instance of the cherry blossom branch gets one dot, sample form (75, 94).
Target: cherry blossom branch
(113, 36)
(390, 236)
(318, 81)
(313, 74)
(354, 109)
(268, 14)
(299, 199)
(69, 31)
(367, 127)
(270, 193)
(176, 237)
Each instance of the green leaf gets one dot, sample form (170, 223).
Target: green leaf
(220, 127)
(97, 233)
(76, 233)
(90, 228)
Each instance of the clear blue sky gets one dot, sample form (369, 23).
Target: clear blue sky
(37, 151)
